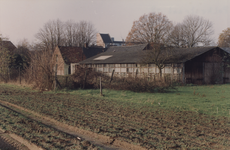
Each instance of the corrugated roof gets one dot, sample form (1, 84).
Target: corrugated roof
(72, 54)
(135, 54)
(106, 38)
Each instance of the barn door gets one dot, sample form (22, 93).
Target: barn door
(213, 73)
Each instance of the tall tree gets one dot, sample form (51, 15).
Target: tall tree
(151, 28)
(86, 33)
(22, 55)
(197, 31)
(69, 33)
(79, 34)
(224, 38)
(51, 34)
(177, 37)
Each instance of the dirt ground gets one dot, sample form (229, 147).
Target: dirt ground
(8, 143)
(145, 127)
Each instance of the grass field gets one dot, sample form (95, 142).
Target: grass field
(192, 117)
(210, 99)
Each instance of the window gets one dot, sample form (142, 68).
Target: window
(111, 65)
(152, 70)
(129, 69)
(167, 69)
(123, 65)
(103, 57)
(152, 65)
(117, 69)
(105, 69)
(100, 69)
(117, 65)
(130, 65)
(100, 65)
(105, 65)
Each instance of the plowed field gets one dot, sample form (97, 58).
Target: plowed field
(151, 128)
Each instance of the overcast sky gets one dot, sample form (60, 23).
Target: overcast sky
(21, 19)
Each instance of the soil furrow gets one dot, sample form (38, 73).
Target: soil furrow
(102, 141)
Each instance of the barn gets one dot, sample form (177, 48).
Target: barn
(198, 65)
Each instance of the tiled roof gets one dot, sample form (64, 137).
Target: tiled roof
(72, 54)
(135, 54)
(92, 51)
(180, 55)
(120, 54)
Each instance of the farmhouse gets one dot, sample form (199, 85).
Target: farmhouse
(199, 65)
(66, 57)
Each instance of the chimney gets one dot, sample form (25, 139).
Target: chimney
(86, 45)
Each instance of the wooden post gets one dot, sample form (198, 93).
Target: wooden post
(85, 79)
(183, 75)
(111, 77)
(100, 87)
(20, 75)
(55, 78)
(9, 73)
(136, 73)
(203, 69)
(172, 72)
(66, 81)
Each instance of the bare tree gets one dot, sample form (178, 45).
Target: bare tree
(57, 33)
(151, 28)
(177, 37)
(41, 71)
(71, 33)
(196, 31)
(224, 38)
(79, 34)
(86, 33)
(51, 34)
(157, 54)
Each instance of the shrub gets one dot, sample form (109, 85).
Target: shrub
(88, 78)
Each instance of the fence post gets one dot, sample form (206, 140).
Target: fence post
(19, 74)
(136, 73)
(55, 78)
(9, 72)
(111, 77)
(100, 87)
(85, 79)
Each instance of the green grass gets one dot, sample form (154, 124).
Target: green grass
(205, 99)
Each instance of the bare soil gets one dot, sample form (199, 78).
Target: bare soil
(145, 127)
(8, 143)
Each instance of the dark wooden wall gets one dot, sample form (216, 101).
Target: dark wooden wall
(207, 68)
